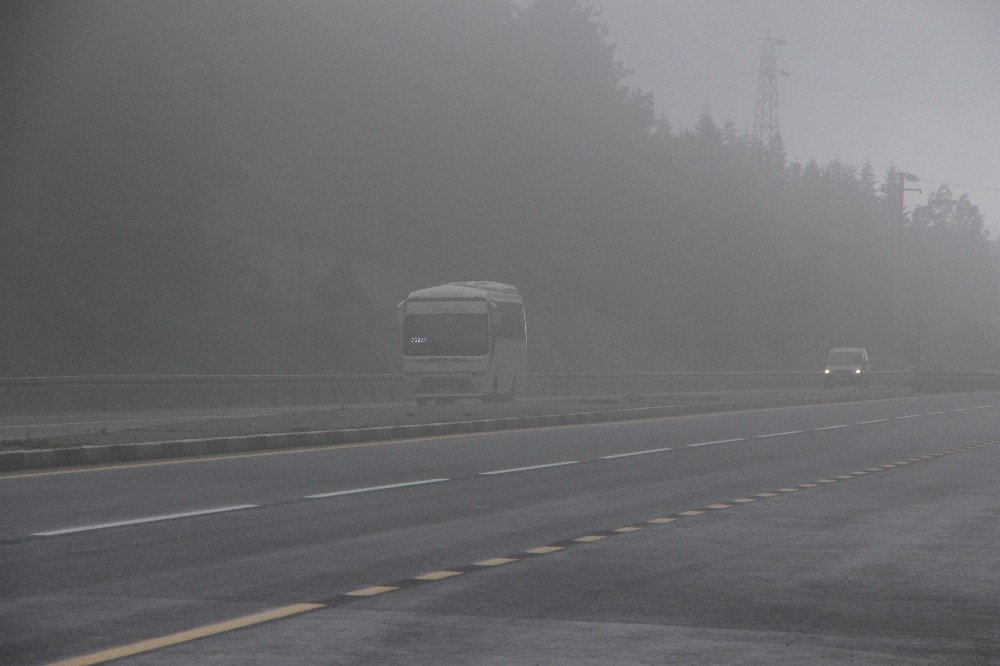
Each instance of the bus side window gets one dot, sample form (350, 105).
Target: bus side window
(511, 321)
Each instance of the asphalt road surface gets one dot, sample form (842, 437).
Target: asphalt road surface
(853, 533)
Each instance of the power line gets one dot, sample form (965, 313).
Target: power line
(863, 92)
(968, 187)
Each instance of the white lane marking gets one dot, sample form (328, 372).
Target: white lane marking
(908, 416)
(718, 441)
(525, 469)
(635, 453)
(842, 425)
(962, 409)
(872, 421)
(983, 407)
(943, 411)
(779, 434)
(371, 489)
(150, 519)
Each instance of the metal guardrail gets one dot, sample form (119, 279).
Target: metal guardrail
(67, 394)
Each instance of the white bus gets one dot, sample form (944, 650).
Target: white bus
(464, 340)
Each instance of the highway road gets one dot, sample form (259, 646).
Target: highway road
(851, 533)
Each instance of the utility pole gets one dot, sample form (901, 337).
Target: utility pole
(301, 328)
(765, 117)
(896, 193)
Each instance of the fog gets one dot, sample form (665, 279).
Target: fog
(251, 187)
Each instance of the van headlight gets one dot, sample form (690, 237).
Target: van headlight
(857, 371)
(826, 371)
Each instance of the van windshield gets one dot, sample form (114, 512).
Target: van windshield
(845, 358)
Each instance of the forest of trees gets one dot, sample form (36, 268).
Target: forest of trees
(248, 187)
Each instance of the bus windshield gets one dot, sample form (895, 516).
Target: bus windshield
(446, 334)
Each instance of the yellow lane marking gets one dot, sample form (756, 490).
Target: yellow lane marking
(807, 485)
(887, 466)
(589, 538)
(495, 561)
(788, 490)
(438, 575)
(843, 476)
(873, 469)
(386, 442)
(626, 529)
(661, 521)
(719, 506)
(186, 636)
(827, 481)
(690, 513)
(902, 462)
(371, 591)
(544, 550)
(744, 500)
(767, 494)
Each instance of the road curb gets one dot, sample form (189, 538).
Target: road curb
(30, 459)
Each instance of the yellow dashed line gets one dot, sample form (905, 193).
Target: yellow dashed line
(807, 485)
(627, 529)
(186, 636)
(843, 476)
(589, 538)
(767, 494)
(438, 575)
(495, 561)
(371, 591)
(902, 462)
(690, 513)
(788, 490)
(858, 473)
(661, 521)
(827, 481)
(719, 506)
(744, 500)
(873, 469)
(544, 550)
(887, 466)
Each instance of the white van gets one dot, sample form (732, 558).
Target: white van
(846, 365)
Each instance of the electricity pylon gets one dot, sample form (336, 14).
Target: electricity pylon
(765, 117)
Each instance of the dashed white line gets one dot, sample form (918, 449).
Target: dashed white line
(943, 411)
(908, 416)
(834, 427)
(717, 441)
(983, 407)
(525, 469)
(636, 453)
(149, 519)
(779, 434)
(371, 489)
(872, 421)
(962, 409)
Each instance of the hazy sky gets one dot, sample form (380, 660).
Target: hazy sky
(910, 82)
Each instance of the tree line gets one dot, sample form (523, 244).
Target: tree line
(243, 187)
